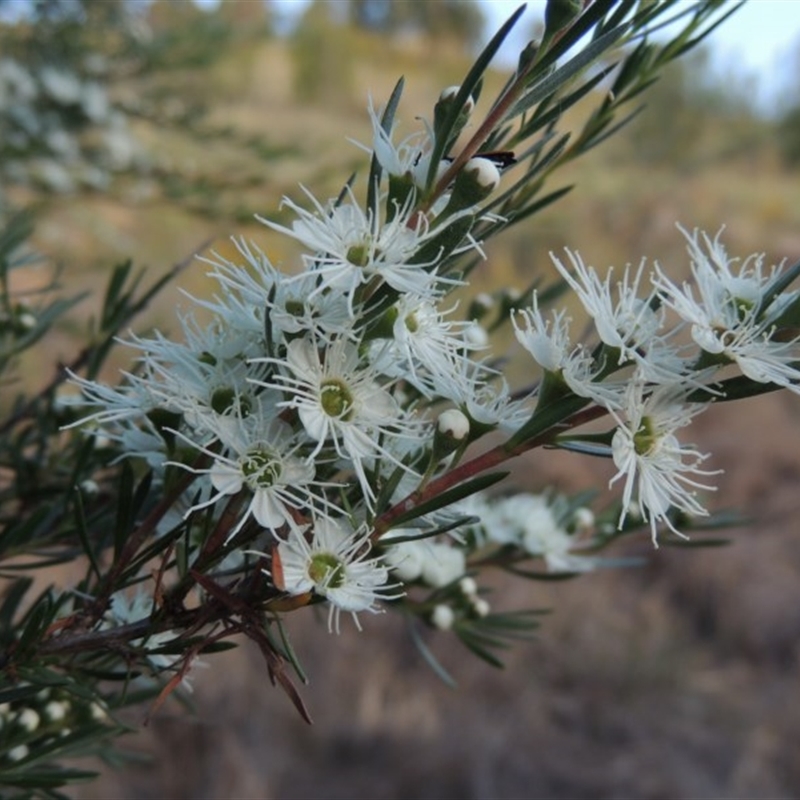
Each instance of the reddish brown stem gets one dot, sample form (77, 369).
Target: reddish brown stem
(485, 461)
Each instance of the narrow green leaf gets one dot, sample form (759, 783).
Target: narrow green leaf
(125, 514)
(468, 85)
(375, 170)
(546, 419)
(430, 658)
(469, 487)
(550, 84)
(83, 534)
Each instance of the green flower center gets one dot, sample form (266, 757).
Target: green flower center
(225, 399)
(645, 439)
(326, 570)
(295, 307)
(411, 322)
(336, 399)
(261, 468)
(358, 255)
(743, 307)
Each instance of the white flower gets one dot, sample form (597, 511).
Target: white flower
(126, 610)
(206, 377)
(424, 346)
(650, 458)
(482, 394)
(351, 248)
(625, 322)
(480, 607)
(533, 522)
(549, 343)
(443, 564)
(434, 563)
(259, 455)
(405, 559)
(409, 158)
(290, 304)
(333, 561)
(340, 404)
(728, 319)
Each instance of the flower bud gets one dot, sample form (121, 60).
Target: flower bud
(29, 720)
(452, 428)
(18, 753)
(583, 518)
(476, 181)
(26, 321)
(449, 94)
(468, 586)
(443, 617)
(89, 488)
(453, 424)
(55, 711)
(443, 109)
(475, 336)
(480, 607)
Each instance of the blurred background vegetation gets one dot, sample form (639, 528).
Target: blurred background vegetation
(146, 132)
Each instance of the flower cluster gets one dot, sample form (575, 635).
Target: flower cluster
(60, 129)
(649, 378)
(47, 718)
(316, 395)
(324, 415)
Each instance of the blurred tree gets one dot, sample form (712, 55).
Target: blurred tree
(456, 19)
(692, 114)
(321, 56)
(788, 136)
(787, 127)
(255, 17)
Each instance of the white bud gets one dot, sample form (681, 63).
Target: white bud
(89, 487)
(449, 94)
(475, 336)
(484, 300)
(584, 518)
(481, 607)
(443, 617)
(468, 586)
(55, 711)
(453, 423)
(485, 173)
(18, 753)
(29, 720)
(26, 321)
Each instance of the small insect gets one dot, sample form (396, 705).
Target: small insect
(502, 159)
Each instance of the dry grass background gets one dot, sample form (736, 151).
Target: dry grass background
(678, 679)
